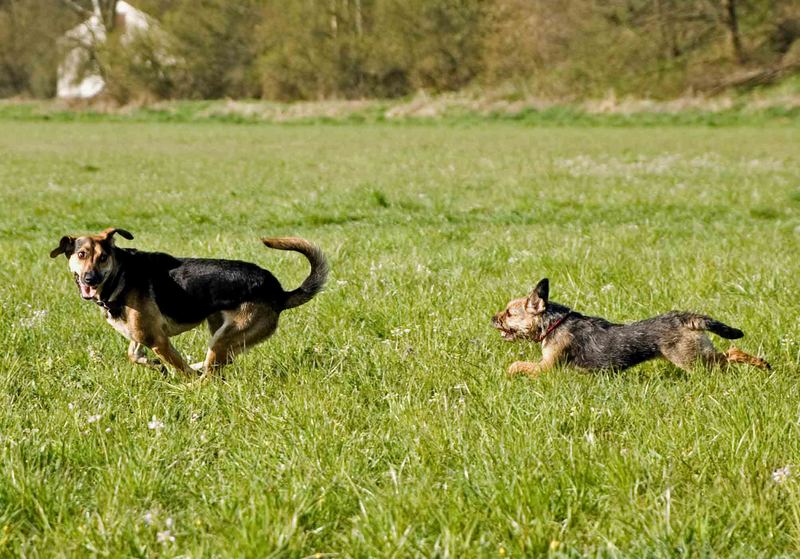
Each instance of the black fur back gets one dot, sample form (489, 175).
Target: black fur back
(187, 290)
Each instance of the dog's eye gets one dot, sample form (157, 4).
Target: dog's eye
(81, 254)
(103, 257)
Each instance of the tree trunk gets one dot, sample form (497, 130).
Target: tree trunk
(666, 25)
(359, 20)
(334, 18)
(732, 23)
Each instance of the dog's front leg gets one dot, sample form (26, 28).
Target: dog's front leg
(137, 356)
(522, 368)
(165, 350)
(532, 370)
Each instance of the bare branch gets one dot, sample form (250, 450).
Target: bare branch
(78, 8)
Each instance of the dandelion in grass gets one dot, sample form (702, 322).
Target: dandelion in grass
(155, 425)
(782, 475)
(93, 418)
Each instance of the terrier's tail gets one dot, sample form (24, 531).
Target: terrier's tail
(319, 268)
(701, 322)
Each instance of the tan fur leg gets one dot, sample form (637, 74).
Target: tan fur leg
(137, 356)
(240, 330)
(552, 353)
(691, 349)
(528, 368)
(164, 349)
(736, 355)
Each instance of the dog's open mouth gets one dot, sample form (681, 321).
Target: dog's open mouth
(506, 334)
(87, 291)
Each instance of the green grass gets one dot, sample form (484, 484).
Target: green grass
(378, 421)
(744, 111)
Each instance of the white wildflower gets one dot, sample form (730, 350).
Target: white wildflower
(399, 332)
(34, 320)
(781, 475)
(154, 424)
(94, 418)
(94, 355)
(149, 518)
(165, 537)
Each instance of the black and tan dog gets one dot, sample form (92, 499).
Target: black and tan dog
(149, 297)
(597, 344)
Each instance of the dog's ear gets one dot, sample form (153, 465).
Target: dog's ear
(65, 246)
(111, 231)
(537, 300)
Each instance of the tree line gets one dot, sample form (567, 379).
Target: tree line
(322, 49)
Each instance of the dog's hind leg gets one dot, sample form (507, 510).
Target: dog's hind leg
(698, 349)
(242, 328)
(215, 322)
(690, 349)
(736, 355)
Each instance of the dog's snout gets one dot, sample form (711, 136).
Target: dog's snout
(92, 278)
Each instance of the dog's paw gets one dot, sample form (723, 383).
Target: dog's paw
(519, 368)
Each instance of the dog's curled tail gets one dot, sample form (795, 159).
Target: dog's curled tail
(319, 268)
(701, 322)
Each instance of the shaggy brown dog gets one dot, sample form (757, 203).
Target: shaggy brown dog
(596, 344)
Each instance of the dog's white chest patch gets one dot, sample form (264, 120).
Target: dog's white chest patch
(119, 325)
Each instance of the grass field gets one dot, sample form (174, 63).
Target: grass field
(378, 422)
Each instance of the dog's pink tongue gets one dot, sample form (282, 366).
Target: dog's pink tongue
(87, 291)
